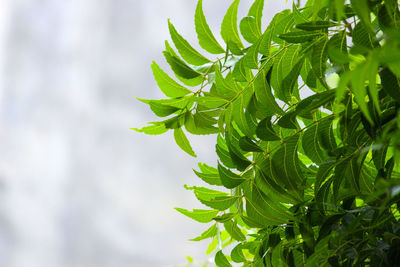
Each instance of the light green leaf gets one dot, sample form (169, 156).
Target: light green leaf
(208, 174)
(234, 231)
(228, 178)
(224, 217)
(182, 141)
(204, 34)
(187, 52)
(219, 203)
(269, 34)
(249, 29)
(229, 30)
(256, 11)
(210, 232)
(211, 101)
(202, 216)
(167, 85)
(154, 129)
(161, 110)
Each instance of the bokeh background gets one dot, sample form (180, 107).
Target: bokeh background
(77, 186)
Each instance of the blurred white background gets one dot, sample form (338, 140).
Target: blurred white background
(77, 187)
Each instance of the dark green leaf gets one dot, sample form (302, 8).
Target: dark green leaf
(228, 178)
(319, 58)
(180, 68)
(247, 144)
(315, 25)
(265, 132)
(300, 36)
(221, 260)
(285, 162)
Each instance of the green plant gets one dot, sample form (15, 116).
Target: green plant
(308, 132)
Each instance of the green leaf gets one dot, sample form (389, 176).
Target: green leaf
(154, 129)
(193, 127)
(249, 29)
(359, 75)
(179, 67)
(325, 134)
(315, 25)
(337, 48)
(187, 52)
(182, 141)
(161, 110)
(211, 101)
(270, 32)
(221, 260)
(234, 231)
(224, 217)
(311, 145)
(282, 77)
(265, 132)
(263, 210)
(237, 254)
(363, 38)
(228, 178)
(251, 58)
(256, 11)
(223, 86)
(249, 145)
(285, 162)
(300, 36)
(390, 84)
(167, 85)
(229, 30)
(319, 58)
(307, 105)
(219, 203)
(206, 38)
(289, 121)
(208, 174)
(202, 216)
(361, 8)
(210, 232)
(264, 94)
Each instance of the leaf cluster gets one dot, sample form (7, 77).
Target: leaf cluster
(305, 114)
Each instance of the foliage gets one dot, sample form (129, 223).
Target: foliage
(308, 132)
